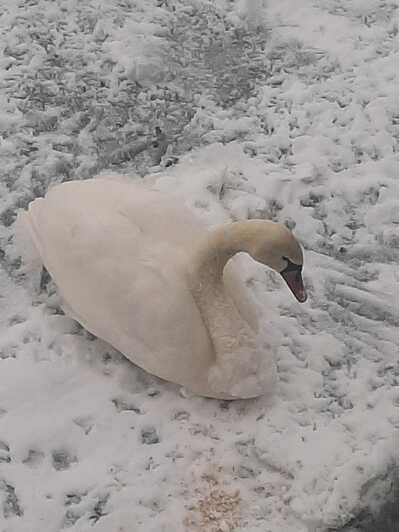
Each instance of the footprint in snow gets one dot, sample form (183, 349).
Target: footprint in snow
(62, 459)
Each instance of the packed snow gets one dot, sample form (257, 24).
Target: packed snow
(243, 109)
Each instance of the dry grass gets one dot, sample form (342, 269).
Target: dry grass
(216, 510)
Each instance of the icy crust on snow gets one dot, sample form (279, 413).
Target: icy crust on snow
(295, 121)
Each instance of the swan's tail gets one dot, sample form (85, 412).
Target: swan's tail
(27, 240)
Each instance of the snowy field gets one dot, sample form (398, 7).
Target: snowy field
(286, 110)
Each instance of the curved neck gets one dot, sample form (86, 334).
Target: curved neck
(226, 325)
(219, 247)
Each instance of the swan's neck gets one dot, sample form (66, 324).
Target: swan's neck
(218, 248)
(225, 324)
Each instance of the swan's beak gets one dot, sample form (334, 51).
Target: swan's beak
(294, 280)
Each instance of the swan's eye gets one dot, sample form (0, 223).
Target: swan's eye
(291, 266)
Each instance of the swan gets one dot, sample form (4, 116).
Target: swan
(137, 269)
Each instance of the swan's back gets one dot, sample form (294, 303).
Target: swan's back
(106, 218)
(104, 202)
(118, 253)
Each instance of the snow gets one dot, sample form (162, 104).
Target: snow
(263, 110)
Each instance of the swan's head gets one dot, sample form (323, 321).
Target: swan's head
(275, 246)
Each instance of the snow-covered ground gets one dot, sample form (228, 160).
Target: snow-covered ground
(282, 109)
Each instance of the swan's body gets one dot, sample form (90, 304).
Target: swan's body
(138, 270)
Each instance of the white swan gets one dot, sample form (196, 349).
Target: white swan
(140, 271)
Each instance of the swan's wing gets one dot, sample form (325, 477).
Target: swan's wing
(119, 266)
